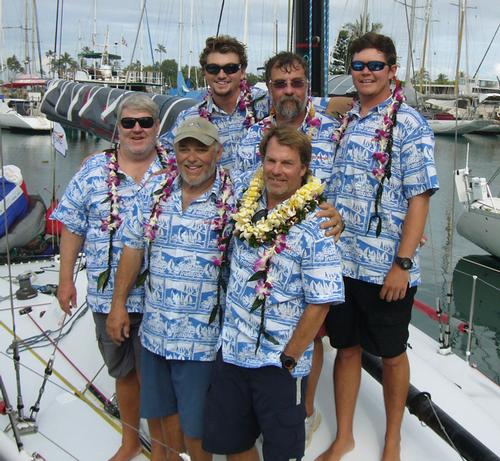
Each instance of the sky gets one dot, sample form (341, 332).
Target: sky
(267, 29)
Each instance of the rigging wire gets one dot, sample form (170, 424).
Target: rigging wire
(220, 18)
(35, 408)
(127, 75)
(15, 355)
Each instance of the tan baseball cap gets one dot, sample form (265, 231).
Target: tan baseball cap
(198, 128)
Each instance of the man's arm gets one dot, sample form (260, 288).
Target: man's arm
(309, 324)
(117, 323)
(69, 248)
(396, 280)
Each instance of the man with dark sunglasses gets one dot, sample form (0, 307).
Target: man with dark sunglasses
(92, 210)
(286, 78)
(383, 177)
(230, 103)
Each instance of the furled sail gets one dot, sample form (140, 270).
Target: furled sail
(92, 108)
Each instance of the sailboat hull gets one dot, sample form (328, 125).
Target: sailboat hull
(482, 227)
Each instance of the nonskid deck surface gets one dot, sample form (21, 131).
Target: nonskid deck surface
(74, 426)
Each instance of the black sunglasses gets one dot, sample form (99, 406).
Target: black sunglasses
(373, 66)
(144, 122)
(214, 69)
(281, 84)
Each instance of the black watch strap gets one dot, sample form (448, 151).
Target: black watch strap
(404, 263)
(287, 362)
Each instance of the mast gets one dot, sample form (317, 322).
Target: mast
(190, 63)
(410, 43)
(245, 23)
(427, 17)
(94, 34)
(26, 40)
(364, 19)
(181, 6)
(311, 41)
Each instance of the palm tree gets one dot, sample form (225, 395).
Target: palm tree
(160, 49)
(357, 29)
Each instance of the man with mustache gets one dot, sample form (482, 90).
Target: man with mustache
(286, 78)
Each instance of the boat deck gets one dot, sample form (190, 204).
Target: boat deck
(73, 425)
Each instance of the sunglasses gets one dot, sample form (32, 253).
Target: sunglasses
(294, 83)
(228, 69)
(144, 122)
(373, 66)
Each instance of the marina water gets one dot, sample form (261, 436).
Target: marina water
(35, 156)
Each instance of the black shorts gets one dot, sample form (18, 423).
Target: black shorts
(243, 402)
(379, 327)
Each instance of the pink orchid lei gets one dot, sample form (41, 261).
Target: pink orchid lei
(245, 102)
(223, 226)
(271, 230)
(384, 141)
(113, 221)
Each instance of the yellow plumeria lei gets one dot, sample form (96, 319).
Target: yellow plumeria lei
(284, 216)
(272, 230)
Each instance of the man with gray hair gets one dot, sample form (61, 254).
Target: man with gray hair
(179, 226)
(92, 209)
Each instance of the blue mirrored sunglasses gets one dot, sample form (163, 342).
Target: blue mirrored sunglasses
(373, 66)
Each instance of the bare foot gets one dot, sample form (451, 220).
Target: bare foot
(336, 450)
(391, 452)
(126, 453)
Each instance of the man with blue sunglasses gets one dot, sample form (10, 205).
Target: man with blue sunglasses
(383, 177)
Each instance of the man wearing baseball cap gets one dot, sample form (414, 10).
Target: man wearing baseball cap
(174, 239)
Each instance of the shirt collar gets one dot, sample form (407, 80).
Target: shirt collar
(356, 108)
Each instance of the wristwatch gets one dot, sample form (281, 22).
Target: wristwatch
(404, 263)
(287, 362)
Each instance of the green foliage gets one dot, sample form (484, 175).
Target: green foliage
(252, 79)
(340, 58)
(14, 65)
(357, 29)
(442, 79)
(339, 63)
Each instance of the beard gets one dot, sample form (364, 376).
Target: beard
(289, 107)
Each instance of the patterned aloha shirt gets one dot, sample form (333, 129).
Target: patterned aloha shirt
(308, 271)
(248, 156)
(230, 126)
(413, 172)
(82, 210)
(182, 286)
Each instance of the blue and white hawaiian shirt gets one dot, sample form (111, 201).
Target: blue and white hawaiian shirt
(413, 172)
(308, 271)
(82, 210)
(182, 287)
(230, 126)
(248, 156)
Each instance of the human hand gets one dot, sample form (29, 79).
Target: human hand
(66, 295)
(118, 325)
(335, 224)
(395, 284)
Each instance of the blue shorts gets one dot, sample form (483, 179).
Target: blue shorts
(175, 386)
(243, 402)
